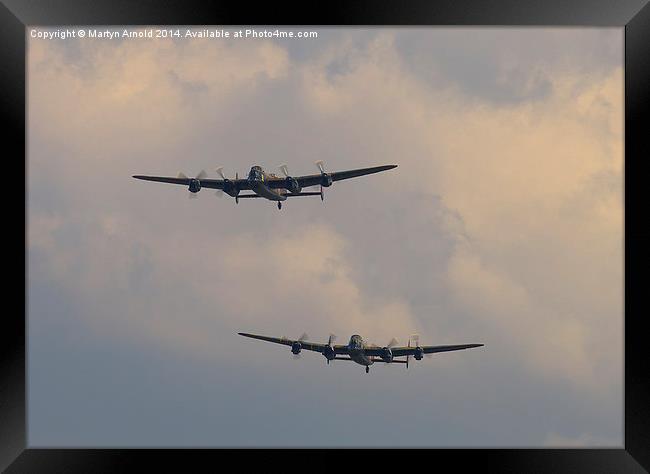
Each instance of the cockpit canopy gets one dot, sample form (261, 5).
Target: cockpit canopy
(356, 341)
(255, 173)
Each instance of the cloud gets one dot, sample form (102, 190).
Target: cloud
(289, 283)
(537, 188)
(507, 67)
(155, 91)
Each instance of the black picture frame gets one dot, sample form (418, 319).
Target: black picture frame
(633, 15)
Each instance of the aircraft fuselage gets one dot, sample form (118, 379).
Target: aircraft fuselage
(357, 352)
(257, 178)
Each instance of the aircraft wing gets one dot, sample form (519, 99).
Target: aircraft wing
(309, 346)
(241, 184)
(315, 179)
(403, 351)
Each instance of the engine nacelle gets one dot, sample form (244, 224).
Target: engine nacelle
(292, 185)
(418, 354)
(387, 354)
(325, 180)
(296, 347)
(329, 353)
(229, 188)
(195, 185)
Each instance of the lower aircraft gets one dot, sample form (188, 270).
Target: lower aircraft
(357, 350)
(266, 185)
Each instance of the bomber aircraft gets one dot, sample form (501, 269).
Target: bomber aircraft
(359, 351)
(266, 185)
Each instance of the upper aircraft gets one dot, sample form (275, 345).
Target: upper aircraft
(266, 185)
(361, 352)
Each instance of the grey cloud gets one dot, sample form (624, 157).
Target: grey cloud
(302, 51)
(168, 399)
(506, 65)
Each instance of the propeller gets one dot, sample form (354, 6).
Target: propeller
(202, 174)
(392, 343)
(330, 352)
(229, 186)
(416, 340)
(292, 185)
(326, 179)
(408, 357)
(195, 183)
(302, 338)
(219, 192)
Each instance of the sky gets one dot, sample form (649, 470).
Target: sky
(502, 225)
